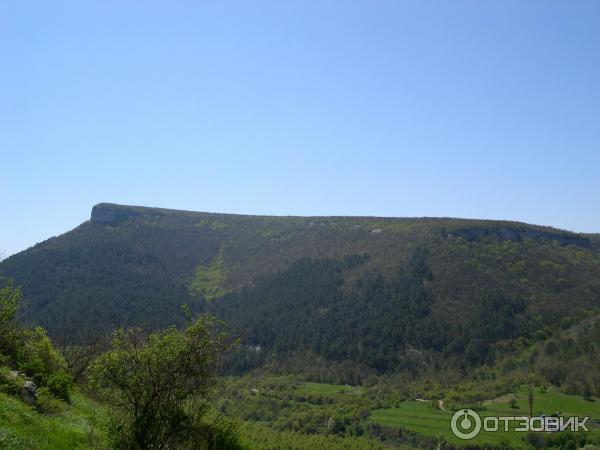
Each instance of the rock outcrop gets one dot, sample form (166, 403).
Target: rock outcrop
(109, 214)
(29, 392)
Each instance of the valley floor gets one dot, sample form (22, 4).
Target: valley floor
(277, 413)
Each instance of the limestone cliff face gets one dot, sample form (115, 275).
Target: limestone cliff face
(109, 214)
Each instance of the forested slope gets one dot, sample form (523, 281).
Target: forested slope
(378, 292)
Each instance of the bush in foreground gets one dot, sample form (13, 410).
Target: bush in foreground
(157, 386)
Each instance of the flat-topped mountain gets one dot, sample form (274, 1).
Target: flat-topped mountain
(365, 289)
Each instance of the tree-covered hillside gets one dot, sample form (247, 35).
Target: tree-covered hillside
(380, 293)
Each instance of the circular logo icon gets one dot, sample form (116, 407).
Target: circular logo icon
(465, 424)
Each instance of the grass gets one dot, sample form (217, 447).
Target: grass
(424, 419)
(75, 426)
(208, 280)
(547, 403)
(324, 389)
(78, 425)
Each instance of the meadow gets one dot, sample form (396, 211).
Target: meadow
(424, 418)
(74, 425)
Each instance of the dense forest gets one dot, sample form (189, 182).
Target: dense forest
(385, 325)
(377, 295)
(572, 358)
(335, 330)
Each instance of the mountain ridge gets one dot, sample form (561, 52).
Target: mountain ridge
(272, 276)
(103, 208)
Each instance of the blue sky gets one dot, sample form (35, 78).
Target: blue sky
(481, 109)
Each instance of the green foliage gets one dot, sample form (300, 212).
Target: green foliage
(298, 414)
(30, 350)
(9, 384)
(571, 358)
(37, 357)
(324, 388)
(257, 437)
(80, 280)
(149, 256)
(53, 425)
(59, 384)
(423, 418)
(382, 324)
(41, 362)
(208, 280)
(47, 403)
(214, 225)
(157, 385)
(491, 289)
(293, 413)
(10, 299)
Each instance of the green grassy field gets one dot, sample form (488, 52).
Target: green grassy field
(423, 418)
(324, 389)
(75, 426)
(547, 403)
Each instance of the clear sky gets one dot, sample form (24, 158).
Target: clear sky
(480, 109)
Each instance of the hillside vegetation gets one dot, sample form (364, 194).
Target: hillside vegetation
(354, 332)
(376, 294)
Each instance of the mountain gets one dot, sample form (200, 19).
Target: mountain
(380, 293)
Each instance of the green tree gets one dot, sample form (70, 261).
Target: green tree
(30, 349)
(530, 397)
(38, 359)
(9, 301)
(157, 387)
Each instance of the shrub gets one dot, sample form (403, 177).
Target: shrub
(36, 357)
(30, 350)
(47, 403)
(59, 384)
(8, 383)
(157, 385)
